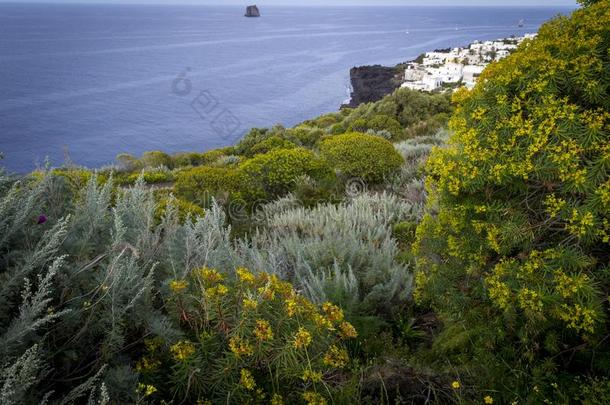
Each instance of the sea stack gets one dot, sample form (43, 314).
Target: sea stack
(252, 11)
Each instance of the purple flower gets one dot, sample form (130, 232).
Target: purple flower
(42, 219)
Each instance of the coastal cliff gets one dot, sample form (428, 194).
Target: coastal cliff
(372, 83)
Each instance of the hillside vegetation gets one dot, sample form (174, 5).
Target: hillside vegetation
(420, 249)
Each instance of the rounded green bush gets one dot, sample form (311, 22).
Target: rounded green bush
(211, 156)
(514, 254)
(201, 184)
(187, 159)
(365, 156)
(304, 135)
(386, 123)
(269, 144)
(156, 158)
(275, 172)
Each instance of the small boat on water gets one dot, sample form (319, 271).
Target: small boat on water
(252, 11)
(521, 23)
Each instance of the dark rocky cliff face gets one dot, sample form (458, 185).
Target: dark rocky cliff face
(252, 11)
(372, 83)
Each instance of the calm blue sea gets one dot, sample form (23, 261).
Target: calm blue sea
(87, 82)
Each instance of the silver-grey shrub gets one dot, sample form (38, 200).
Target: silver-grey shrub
(342, 252)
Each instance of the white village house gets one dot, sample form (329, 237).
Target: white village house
(457, 65)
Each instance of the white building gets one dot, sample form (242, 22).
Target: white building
(458, 64)
(427, 83)
(470, 74)
(414, 73)
(449, 72)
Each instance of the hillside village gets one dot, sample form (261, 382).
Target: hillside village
(435, 70)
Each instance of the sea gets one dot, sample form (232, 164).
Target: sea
(80, 84)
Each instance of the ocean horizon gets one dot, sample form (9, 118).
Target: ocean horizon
(83, 83)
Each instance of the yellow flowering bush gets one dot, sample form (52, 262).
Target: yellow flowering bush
(513, 253)
(251, 335)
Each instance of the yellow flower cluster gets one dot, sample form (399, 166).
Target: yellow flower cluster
(277, 400)
(302, 338)
(240, 347)
(292, 307)
(530, 300)
(245, 276)
(217, 291)
(321, 321)
(311, 376)
(246, 380)
(267, 293)
(182, 350)
(554, 205)
(146, 389)
(498, 292)
(263, 331)
(347, 330)
(178, 285)
(313, 398)
(209, 275)
(249, 304)
(333, 312)
(567, 157)
(580, 223)
(147, 364)
(579, 318)
(603, 192)
(336, 357)
(567, 286)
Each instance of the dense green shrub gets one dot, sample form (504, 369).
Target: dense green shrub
(254, 136)
(211, 156)
(184, 208)
(368, 157)
(151, 177)
(514, 254)
(304, 135)
(202, 184)
(156, 159)
(404, 233)
(187, 159)
(324, 121)
(249, 337)
(151, 159)
(128, 162)
(275, 172)
(358, 125)
(408, 107)
(337, 129)
(385, 123)
(269, 144)
(310, 192)
(199, 159)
